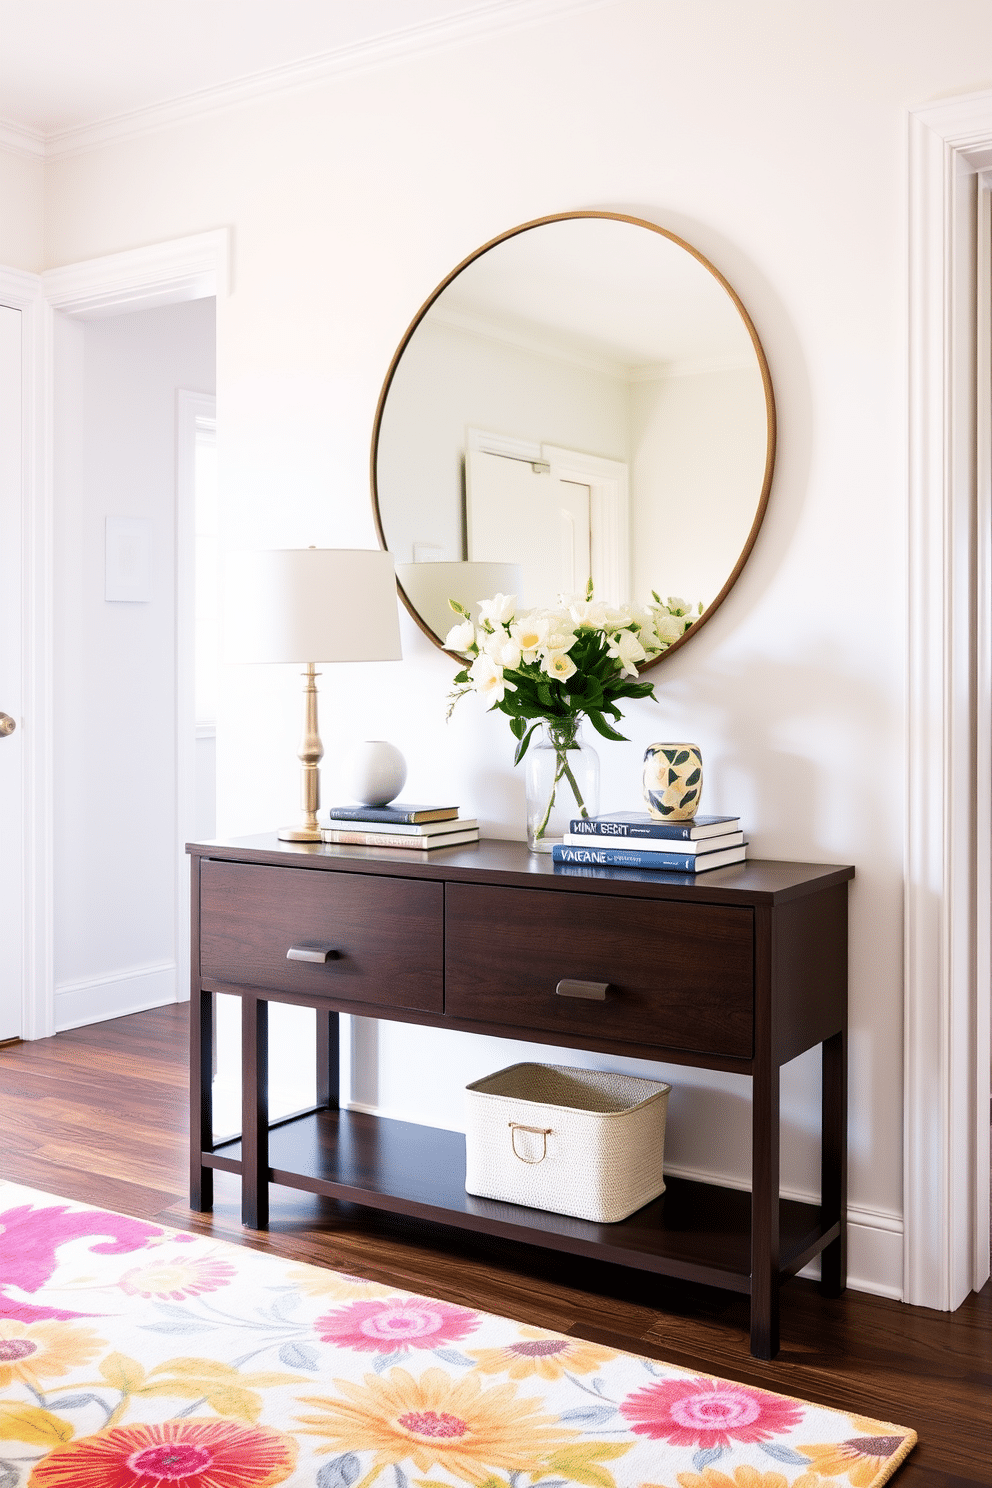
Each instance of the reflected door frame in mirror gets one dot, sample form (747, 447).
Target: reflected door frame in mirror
(761, 499)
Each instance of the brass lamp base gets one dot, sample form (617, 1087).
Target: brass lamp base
(311, 753)
(299, 834)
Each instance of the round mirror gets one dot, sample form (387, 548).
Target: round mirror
(583, 398)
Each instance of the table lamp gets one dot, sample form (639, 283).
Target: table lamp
(311, 605)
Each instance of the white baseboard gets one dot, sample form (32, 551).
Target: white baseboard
(114, 995)
(874, 1236)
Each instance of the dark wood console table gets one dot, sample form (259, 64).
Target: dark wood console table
(739, 970)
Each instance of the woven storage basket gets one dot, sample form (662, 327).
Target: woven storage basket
(576, 1141)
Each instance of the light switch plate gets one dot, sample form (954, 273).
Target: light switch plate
(129, 560)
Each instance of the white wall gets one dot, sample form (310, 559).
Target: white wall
(115, 663)
(772, 136)
(22, 218)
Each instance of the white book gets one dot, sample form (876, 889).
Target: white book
(337, 838)
(402, 829)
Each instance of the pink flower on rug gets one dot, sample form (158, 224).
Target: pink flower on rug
(400, 1323)
(196, 1453)
(32, 1236)
(708, 1412)
(174, 1280)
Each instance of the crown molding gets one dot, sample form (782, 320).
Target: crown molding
(17, 139)
(485, 19)
(542, 341)
(537, 341)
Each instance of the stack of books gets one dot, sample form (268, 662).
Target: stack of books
(633, 839)
(416, 828)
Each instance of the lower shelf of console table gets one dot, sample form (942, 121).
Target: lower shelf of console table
(739, 970)
(697, 1232)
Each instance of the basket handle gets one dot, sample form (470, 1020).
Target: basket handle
(544, 1132)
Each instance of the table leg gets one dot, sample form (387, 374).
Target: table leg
(201, 1126)
(328, 1068)
(254, 1111)
(765, 1140)
(833, 1162)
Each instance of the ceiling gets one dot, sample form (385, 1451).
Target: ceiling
(67, 65)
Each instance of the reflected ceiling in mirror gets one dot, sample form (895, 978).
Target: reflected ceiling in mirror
(584, 397)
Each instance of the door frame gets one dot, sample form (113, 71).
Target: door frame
(22, 291)
(191, 408)
(948, 879)
(169, 273)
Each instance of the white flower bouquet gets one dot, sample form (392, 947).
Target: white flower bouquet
(556, 665)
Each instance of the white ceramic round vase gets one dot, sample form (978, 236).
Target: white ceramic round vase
(375, 772)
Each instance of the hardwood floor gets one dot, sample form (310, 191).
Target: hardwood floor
(99, 1115)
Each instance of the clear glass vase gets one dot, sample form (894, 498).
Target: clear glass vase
(562, 781)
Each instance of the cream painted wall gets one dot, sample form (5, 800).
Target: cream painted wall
(772, 136)
(22, 215)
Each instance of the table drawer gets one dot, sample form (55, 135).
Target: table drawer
(680, 975)
(387, 933)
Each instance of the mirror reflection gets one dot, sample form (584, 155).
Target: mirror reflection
(584, 398)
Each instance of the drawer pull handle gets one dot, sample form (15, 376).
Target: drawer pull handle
(594, 991)
(318, 954)
(544, 1132)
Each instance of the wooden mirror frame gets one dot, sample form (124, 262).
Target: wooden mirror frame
(766, 381)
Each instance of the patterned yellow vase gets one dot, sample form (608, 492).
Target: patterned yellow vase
(673, 781)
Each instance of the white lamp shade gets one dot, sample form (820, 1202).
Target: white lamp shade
(311, 604)
(429, 586)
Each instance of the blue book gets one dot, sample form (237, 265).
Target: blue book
(400, 813)
(640, 824)
(632, 857)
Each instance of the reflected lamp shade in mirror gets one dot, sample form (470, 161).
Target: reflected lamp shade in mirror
(310, 605)
(429, 586)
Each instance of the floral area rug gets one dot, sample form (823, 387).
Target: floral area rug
(133, 1356)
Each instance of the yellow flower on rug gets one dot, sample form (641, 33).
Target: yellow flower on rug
(437, 1421)
(314, 1283)
(33, 1352)
(859, 1458)
(743, 1477)
(545, 1355)
(189, 1453)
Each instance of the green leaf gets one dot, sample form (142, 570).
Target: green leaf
(601, 726)
(521, 748)
(28, 1423)
(580, 1462)
(122, 1373)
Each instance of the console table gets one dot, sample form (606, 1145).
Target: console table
(741, 969)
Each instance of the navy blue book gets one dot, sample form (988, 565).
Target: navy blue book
(397, 811)
(640, 824)
(631, 857)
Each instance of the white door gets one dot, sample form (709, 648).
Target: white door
(11, 856)
(519, 512)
